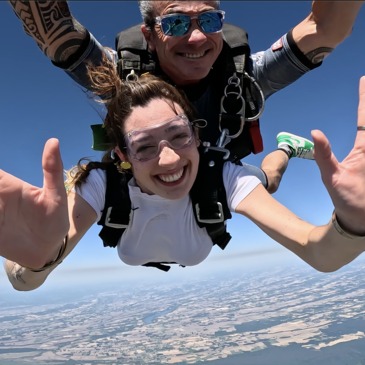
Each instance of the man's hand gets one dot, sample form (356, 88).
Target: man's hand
(328, 24)
(345, 181)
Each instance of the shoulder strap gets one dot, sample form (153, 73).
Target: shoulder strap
(237, 40)
(133, 52)
(117, 208)
(208, 197)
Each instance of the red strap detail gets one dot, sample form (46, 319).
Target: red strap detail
(257, 144)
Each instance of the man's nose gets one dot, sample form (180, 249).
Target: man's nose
(196, 35)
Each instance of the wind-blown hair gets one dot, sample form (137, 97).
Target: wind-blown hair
(148, 13)
(120, 98)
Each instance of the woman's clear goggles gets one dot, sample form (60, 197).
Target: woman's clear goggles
(145, 144)
(177, 25)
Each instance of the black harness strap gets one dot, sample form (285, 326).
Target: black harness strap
(208, 197)
(133, 52)
(117, 208)
(159, 265)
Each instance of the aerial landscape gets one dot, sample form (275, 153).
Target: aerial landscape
(287, 315)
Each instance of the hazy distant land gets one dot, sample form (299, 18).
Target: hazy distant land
(287, 316)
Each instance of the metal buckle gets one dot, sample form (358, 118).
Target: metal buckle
(242, 124)
(234, 83)
(113, 225)
(219, 149)
(211, 221)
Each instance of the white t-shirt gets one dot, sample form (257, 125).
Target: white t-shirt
(163, 230)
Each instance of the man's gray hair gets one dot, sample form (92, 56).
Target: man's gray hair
(147, 10)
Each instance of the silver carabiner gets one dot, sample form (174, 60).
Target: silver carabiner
(224, 138)
(219, 149)
(132, 76)
(235, 82)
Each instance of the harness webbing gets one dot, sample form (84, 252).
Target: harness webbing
(208, 197)
(133, 52)
(117, 208)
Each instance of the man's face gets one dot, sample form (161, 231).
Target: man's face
(186, 59)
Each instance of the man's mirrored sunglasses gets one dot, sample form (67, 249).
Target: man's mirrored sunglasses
(145, 144)
(177, 25)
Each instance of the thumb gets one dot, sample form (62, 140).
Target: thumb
(52, 167)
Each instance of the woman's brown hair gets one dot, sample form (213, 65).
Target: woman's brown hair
(120, 97)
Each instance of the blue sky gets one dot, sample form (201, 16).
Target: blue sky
(39, 101)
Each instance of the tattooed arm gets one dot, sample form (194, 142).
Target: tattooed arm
(61, 37)
(52, 26)
(328, 24)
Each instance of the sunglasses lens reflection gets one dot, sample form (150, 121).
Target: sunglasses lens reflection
(177, 25)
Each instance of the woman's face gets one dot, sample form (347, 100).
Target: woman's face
(162, 149)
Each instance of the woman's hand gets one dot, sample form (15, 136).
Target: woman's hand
(34, 221)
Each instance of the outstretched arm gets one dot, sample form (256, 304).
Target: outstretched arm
(50, 23)
(61, 37)
(337, 243)
(327, 25)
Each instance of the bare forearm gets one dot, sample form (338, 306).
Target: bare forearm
(52, 26)
(328, 250)
(328, 24)
(322, 247)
